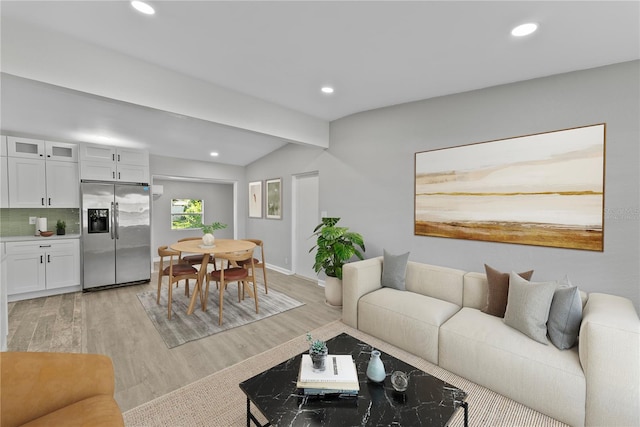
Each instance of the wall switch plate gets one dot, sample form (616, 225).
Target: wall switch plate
(32, 219)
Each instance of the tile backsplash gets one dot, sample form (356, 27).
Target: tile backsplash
(15, 222)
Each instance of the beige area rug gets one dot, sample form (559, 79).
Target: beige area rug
(216, 400)
(183, 328)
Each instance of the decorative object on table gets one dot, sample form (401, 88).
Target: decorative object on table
(208, 239)
(61, 227)
(318, 352)
(274, 198)
(46, 233)
(341, 377)
(255, 199)
(399, 381)
(492, 191)
(375, 369)
(335, 247)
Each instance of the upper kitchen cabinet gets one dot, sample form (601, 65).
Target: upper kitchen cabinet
(38, 149)
(4, 184)
(105, 163)
(42, 174)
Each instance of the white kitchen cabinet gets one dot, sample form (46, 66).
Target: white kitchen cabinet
(36, 183)
(27, 183)
(39, 149)
(3, 146)
(4, 175)
(25, 147)
(61, 151)
(43, 265)
(105, 163)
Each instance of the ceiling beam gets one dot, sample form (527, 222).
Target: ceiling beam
(50, 57)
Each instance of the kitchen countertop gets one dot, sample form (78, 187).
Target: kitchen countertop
(37, 238)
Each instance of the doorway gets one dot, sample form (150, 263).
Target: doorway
(306, 216)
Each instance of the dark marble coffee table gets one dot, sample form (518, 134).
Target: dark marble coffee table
(427, 402)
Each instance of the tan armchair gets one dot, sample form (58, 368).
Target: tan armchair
(57, 389)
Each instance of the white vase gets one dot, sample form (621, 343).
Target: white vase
(375, 370)
(208, 239)
(333, 291)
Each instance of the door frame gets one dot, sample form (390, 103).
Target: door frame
(294, 210)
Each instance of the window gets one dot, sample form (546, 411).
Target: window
(186, 213)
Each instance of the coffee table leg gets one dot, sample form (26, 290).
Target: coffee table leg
(465, 406)
(248, 412)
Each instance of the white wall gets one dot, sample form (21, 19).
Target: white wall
(367, 174)
(218, 206)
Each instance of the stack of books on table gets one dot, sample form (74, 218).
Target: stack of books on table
(339, 377)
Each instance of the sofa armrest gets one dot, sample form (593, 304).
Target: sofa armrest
(609, 347)
(35, 384)
(358, 278)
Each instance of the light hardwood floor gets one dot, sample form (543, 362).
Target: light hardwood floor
(114, 323)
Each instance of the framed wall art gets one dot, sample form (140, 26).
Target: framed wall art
(274, 198)
(545, 189)
(255, 199)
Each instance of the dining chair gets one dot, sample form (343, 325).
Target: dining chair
(233, 273)
(176, 271)
(258, 263)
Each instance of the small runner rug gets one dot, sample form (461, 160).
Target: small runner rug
(183, 328)
(216, 400)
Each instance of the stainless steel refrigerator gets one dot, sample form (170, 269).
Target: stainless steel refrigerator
(116, 234)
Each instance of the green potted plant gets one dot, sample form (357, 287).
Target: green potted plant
(61, 227)
(318, 352)
(335, 247)
(208, 239)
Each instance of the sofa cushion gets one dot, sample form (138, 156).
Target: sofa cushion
(96, 411)
(565, 316)
(499, 290)
(528, 306)
(442, 283)
(484, 350)
(394, 270)
(407, 320)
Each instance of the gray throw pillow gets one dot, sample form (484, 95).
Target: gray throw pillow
(565, 316)
(528, 306)
(394, 268)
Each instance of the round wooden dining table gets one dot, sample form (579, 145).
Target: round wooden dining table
(220, 246)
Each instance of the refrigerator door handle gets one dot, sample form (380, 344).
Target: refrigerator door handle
(117, 220)
(112, 220)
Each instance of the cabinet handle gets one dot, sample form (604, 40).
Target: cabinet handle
(43, 201)
(118, 157)
(113, 157)
(45, 246)
(113, 175)
(118, 175)
(41, 259)
(48, 258)
(49, 201)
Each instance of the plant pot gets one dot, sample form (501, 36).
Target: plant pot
(208, 239)
(319, 360)
(60, 231)
(333, 291)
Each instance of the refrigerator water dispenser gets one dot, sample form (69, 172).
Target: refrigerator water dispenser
(98, 221)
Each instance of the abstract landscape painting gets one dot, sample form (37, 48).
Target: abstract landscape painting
(545, 189)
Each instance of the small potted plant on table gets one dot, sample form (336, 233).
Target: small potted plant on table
(318, 352)
(208, 230)
(61, 227)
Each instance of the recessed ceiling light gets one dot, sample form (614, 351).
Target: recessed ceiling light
(214, 154)
(327, 89)
(143, 7)
(524, 29)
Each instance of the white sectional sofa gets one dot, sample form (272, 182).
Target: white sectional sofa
(438, 317)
